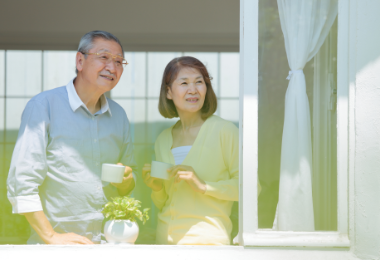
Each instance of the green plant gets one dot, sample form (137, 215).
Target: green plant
(125, 208)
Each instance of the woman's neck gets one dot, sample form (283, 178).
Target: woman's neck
(190, 120)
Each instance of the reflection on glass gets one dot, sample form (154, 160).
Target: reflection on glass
(229, 75)
(2, 74)
(59, 68)
(156, 65)
(229, 110)
(14, 109)
(24, 73)
(2, 121)
(133, 80)
(136, 110)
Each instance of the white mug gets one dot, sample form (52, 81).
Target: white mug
(158, 170)
(112, 172)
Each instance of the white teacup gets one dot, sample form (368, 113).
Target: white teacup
(112, 172)
(158, 170)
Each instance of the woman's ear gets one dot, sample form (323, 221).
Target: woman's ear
(169, 93)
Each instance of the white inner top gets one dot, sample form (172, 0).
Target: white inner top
(180, 153)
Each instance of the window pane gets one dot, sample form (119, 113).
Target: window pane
(24, 73)
(59, 68)
(156, 122)
(14, 109)
(2, 60)
(157, 62)
(229, 74)
(2, 110)
(135, 110)
(273, 85)
(133, 80)
(229, 110)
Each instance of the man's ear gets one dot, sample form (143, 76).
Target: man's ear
(169, 93)
(79, 59)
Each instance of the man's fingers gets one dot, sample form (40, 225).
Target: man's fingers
(87, 241)
(128, 170)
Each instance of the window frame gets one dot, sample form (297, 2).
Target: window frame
(249, 233)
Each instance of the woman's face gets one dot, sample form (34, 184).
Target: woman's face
(188, 91)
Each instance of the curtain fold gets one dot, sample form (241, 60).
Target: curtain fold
(305, 25)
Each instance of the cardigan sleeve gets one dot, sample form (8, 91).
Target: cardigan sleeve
(159, 197)
(227, 189)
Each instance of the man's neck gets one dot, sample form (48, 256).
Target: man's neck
(89, 94)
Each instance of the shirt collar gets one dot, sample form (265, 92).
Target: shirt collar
(76, 102)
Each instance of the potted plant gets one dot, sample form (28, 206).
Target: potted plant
(121, 214)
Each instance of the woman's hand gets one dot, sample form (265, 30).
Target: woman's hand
(154, 183)
(187, 173)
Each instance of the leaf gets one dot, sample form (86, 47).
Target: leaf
(125, 208)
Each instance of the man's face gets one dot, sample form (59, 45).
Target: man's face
(95, 70)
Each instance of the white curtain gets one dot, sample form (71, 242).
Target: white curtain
(305, 25)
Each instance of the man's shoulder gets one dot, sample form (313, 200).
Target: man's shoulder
(116, 108)
(49, 95)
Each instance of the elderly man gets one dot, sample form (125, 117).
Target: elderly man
(65, 136)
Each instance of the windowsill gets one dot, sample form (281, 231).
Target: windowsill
(166, 252)
(266, 238)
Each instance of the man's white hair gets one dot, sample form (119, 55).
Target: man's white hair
(87, 41)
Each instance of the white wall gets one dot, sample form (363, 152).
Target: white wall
(367, 131)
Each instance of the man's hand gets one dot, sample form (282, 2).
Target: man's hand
(68, 239)
(128, 183)
(42, 226)
(187, 173)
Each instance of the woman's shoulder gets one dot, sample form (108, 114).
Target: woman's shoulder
(165, 135)
(222, 125)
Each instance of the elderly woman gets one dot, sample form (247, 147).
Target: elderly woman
(195, 203)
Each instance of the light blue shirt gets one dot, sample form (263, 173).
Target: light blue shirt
(57, 160)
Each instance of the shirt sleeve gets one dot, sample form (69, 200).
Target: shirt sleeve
(28, 166)
(127, 157)
(159, 197)
(227, 189)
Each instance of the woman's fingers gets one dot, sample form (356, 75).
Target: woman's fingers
(146, 176)
(173, 170)
(183, 175)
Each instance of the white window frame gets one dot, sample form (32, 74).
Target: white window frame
(249, 233)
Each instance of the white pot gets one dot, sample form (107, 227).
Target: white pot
(121, 231)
